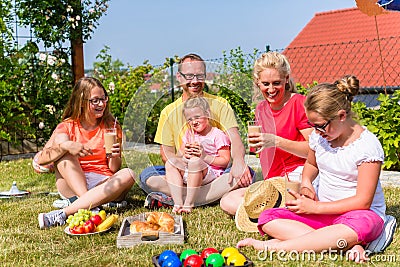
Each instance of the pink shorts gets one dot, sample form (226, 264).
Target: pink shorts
(366, 223)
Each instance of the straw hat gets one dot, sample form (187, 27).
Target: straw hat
(258, 197)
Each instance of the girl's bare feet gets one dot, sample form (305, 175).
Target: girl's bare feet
(357, 254)
(177, 209)
(186, 209)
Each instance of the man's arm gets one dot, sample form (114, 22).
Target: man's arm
(239, 170)
(167, 152)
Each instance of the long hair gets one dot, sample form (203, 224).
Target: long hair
(77, 107)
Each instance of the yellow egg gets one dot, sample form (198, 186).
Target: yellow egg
(229, 251)
(237, 259)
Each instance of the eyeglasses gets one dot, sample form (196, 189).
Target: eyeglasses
(320, 128)
(96, 101)
(190, 76)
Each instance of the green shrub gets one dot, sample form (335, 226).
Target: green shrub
(384, 122)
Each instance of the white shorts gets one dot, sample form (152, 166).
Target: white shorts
(93, 179)
(210, 176)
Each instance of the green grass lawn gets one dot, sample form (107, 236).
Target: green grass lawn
(24, 244)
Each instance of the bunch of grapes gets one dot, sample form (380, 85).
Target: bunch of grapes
(79, 218)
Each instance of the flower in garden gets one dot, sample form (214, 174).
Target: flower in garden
(111, 87)
(51, 60)
(42, 57)
(41, 125)
(51, 109)
(54, 76)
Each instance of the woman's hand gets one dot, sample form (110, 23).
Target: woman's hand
(261, 141)
(302, 204)
(116, 150)
(76, 148)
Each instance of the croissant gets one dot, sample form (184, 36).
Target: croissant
(143, 227)
(156, 221)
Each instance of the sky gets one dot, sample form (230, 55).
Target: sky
(153, 30)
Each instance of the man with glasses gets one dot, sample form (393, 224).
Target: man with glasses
(191, 76)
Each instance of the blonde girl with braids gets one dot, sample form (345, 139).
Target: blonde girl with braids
(82, 170)
(348, 211)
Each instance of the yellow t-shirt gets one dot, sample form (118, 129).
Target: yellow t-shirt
(172, 124)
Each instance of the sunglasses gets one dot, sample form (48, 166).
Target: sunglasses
(320, 127)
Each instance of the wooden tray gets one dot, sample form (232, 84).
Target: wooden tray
(127, 239)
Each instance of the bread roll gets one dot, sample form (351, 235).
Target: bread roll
(155, 221)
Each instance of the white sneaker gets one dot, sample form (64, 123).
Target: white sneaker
(121, 204)
(52, 218)
(63, 203)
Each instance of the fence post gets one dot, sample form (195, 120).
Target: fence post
(171, 63)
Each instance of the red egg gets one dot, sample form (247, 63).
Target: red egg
(193, 261)
(208, 251)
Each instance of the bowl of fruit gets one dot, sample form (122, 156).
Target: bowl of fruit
(86, 222)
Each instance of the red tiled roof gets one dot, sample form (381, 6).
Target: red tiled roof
(341, 42)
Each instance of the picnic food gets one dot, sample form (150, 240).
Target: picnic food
(84, 221)
(78, 219)
(96, 219)
(155, 221)
(107, 223)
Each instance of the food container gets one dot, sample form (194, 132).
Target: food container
(127, 239)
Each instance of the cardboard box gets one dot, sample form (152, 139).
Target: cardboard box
(127, 239)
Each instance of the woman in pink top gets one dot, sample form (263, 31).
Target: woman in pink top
(283, 145)
(77, 149)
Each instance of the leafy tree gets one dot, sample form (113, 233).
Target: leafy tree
(55, 21)
(36, 85)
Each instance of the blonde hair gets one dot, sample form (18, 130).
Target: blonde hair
(272, 60)
(77, 107)
(327, 99)
(197, 102)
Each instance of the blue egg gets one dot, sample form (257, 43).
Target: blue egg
(166, 254)
(172, 261)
